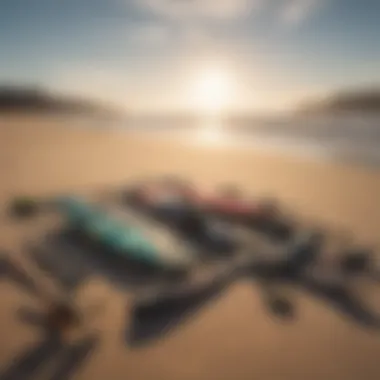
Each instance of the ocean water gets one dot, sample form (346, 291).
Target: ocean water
(347, 138)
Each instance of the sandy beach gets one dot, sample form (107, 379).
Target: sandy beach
(233, 337)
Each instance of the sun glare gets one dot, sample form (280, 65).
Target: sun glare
(211, 91)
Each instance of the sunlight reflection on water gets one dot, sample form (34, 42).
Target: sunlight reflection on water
(211, 132)
(330, 141)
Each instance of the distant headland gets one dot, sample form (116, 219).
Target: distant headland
(37, 100)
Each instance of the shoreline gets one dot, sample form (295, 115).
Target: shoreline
(344, 152)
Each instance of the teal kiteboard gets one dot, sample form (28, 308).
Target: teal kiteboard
(118, 236)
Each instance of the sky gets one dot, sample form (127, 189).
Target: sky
(241, 55)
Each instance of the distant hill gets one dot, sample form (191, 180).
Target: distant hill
(346, 101)
(26, 99)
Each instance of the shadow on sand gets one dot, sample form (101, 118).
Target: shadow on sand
(68, 273)
(11, 272)
(151, 321)
(50, 356)
(154, 318)
(67, 360)
(341, 298)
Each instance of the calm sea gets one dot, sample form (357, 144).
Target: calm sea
(353, 138)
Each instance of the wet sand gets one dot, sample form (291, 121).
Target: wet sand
(234, 337)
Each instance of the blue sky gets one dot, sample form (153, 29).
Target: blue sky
(149, 54)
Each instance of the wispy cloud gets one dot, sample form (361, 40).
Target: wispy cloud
(192, 21)
(295, 12)
(200, 9)
(288, 12)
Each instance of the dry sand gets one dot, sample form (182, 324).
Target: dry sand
(235, 337)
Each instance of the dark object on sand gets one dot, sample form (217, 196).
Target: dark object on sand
(24, 207)
(227, 205)
(281, 307)
(61, 318)
(356, 261)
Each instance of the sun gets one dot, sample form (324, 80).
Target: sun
(211, 91)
